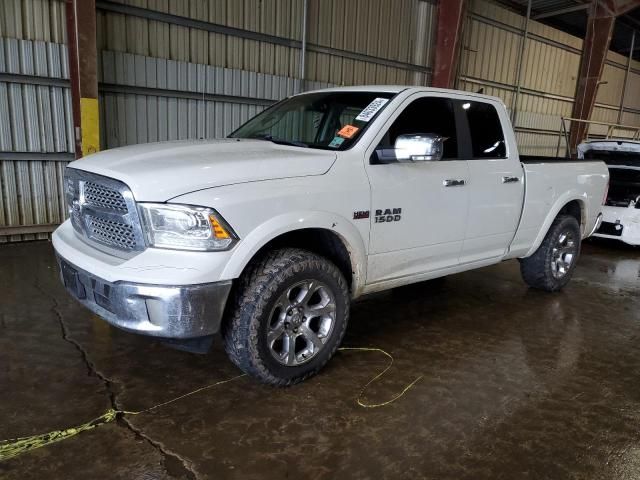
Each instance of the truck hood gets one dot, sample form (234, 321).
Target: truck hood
(161, 171)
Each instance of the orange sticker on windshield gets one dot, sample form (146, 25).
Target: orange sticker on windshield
(348, 131)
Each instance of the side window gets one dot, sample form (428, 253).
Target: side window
(487, 138)
(426, 115)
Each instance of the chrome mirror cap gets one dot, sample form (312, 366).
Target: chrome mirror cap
(416, 147)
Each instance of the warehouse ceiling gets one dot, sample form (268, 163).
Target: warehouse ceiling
(571, 16)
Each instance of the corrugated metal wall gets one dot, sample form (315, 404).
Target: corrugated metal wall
(147, 99)
(551, 61)
(36, 134)
(176, 69)
(208, 65)
(349, 42)
(33, 20)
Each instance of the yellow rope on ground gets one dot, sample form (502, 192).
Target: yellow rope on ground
(17, 446)
(388, 355)
(198, 390)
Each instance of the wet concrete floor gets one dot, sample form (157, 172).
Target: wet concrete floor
(516, 384)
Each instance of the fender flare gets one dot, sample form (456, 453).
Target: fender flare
(300, 220)
(558, 205)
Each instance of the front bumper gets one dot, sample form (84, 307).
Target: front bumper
(185, 311)
(620, 223)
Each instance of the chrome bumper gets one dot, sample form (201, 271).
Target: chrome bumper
(186, 311)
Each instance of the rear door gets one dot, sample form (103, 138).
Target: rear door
(419, 208)
(496, 185)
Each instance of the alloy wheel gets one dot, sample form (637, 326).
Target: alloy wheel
(301, 322)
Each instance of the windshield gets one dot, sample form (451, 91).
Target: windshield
(325, 120)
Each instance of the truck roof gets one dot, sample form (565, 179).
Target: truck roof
(400, 88)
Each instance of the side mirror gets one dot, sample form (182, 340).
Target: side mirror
(416, 147)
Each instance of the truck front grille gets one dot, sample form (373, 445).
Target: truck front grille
(114, 234)
(100, 196)
(104, 213)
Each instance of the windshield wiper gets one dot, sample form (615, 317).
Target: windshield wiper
(280, 141)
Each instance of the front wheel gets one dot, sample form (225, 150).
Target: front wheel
(288, 317)
(551, 266)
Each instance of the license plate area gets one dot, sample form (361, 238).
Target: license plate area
(610, 228)
(71, 280)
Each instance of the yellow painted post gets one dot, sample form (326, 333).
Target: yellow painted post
(90, 129)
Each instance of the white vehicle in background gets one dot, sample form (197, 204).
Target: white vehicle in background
(621, 211)
(268, 235)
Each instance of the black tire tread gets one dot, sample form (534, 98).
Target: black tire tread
(255, 287)
(535, 269)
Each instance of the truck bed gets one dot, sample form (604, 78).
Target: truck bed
(548, 181)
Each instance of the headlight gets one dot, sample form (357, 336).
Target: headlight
(183, 227)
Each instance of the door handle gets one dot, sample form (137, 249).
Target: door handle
(453, 182)
(510, 179)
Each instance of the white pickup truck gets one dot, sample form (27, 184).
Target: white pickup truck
(268, 235)
(621, 210)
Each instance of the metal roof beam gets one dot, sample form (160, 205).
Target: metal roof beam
(594, 55)
(622, 8)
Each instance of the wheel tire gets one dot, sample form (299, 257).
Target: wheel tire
(263, 289)
(538, 269)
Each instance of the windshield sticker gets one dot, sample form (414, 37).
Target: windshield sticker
(371, 109)
(336, 142)
(348, 131)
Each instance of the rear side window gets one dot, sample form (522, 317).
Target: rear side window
(487, 138)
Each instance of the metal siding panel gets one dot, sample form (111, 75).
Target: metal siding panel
(33, 20)
(32, 123)
(24, 195)
(632, 97)
(17, 118)
(130, 119)
(109, 128)
(611, 86)
(163, 119)
(380, 31)
(6, 140)
(142, 127)
(68, 121)
(59, 119)
(10, 193)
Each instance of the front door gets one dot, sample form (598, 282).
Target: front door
(418, 208)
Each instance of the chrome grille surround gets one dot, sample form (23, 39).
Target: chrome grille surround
(104, 213)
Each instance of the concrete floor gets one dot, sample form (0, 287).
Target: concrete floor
(517, 384)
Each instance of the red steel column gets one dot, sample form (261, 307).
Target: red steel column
(594, 54)
(448, 41)
(83, 71)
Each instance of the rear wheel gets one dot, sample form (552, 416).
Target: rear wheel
(289, 316)
(552, 265)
